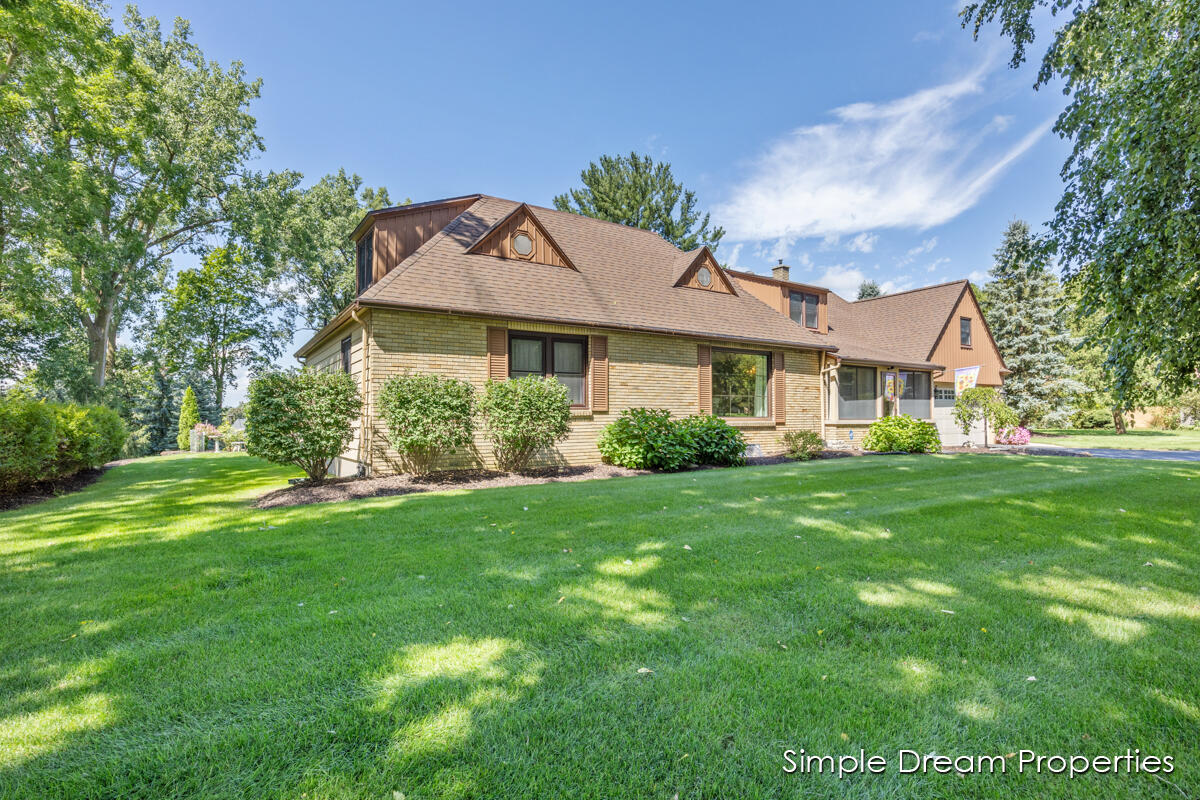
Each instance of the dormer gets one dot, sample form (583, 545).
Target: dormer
(387, 236)
(806, 305)
(703, 272)
(521, 236)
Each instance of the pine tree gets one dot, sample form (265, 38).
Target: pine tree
(868, 289)
(1026, 313)
(159, 409)
(189, 416)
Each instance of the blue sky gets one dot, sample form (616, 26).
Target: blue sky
(864, 139)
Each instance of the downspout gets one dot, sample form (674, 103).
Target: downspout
(364, 373)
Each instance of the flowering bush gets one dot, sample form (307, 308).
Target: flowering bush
(1013, 435)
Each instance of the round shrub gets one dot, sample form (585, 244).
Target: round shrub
(304, 419)
(28, 442)
(88, 437)
(803, 445)
(427, 416)
(1017, 435)
(714, 441)
(1093, 418)
(902, 434)
(647, 438)
(523, 416)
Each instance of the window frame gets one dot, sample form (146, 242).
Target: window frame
(548, 340)
(347, 347)
(805, 297)
(874, 372)
(770, 384)
(364, 255)
(909, 383)
(965, 329)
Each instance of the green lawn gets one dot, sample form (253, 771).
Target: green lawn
(1131, 440)
(161, 638)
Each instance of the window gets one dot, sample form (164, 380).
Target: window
(704, 277)
(522, 244)
(563, 358)
(366, 257)
(802, 308)
(943, 396)
(739, 383)
(964, 331)
(346, 355)
(915, 400)
(856, 392)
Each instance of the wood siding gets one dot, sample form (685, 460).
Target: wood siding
(498, 243)
(398, 234)
(719, 282)
(779, 384)
(776, 294)
(982, 352)
(598, 351)
(704, 378)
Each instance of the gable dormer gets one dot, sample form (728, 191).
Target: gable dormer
(387, 236)
(521, 237)
(703, 272)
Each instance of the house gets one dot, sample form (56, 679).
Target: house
(482, 288)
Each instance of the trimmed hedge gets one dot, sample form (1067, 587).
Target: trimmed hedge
(42, 441)
(903, 434)
(427, 416)
(523, 416)
(647, 438)
(303, 419)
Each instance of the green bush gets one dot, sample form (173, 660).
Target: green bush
(427, 416)
(803, 445)
(980, 403)
(523, 416)
(1165, 419)
(88, 437)
(1093, 418)
(714, 441)
(304, 419)
(646, 438)
(28, 442)
(902, 434)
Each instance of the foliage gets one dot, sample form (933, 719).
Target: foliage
(868, 289)
(427, 416)
(1093, 418)
(1016, 435)
(803, 445)
(980, 404)
(714, 441)
(1126, 226)
(317, 248)
(1023, 305)
(1189, 406)
(634, 190)
(646, 438)
(902, 434)
(523, 416)
(189, 417)
(1165, 418)
(28, 441)
(88, 436)
(220, 318)
(303, 418)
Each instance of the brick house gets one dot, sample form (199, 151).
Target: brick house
(481, 288)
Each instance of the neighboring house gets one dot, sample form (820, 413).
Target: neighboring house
(921, 335)
(481, 288)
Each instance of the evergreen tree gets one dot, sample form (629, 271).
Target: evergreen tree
(634, 191)
(868, 289)
(158, 410)
(189, 416)
(1025, 311)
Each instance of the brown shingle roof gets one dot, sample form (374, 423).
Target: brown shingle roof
(902, 327)
(625, 279)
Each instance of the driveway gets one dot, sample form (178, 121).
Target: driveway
(1113, 452)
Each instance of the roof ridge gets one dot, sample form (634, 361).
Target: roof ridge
(910, 291)
(621, 225)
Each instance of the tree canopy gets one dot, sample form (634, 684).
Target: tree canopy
(634, 190)
(868, 289)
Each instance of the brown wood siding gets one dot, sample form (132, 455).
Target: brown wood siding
(704, 366)
(498, 243)
(982, 352)
(598, 350)
(779, 383)
(397, 236)
(777, 296)
(497, 354)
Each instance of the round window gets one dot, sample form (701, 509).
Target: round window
(704, 276)
(522, 244)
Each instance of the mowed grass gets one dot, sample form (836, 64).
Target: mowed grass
(1133, 439)
(161, 638)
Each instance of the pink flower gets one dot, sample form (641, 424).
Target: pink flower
(1018, 435)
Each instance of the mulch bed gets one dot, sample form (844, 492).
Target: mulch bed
(50, 489)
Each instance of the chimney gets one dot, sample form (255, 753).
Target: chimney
(780, 272)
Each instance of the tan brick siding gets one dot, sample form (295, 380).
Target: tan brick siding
(838, 436)
(328, 358)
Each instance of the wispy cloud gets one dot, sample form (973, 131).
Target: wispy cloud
(863, 243)
(914, 162)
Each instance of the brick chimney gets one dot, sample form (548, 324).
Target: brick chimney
(781, 272)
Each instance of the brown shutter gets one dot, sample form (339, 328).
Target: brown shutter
(497, 354)
(598, 347)
(780, 382)
(704, 362)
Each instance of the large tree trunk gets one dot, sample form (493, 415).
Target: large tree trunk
(1118, 420)
(101, 333)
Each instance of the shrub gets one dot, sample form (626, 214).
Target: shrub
(982, 403)
(1015, 435)
(189, 415)
(1093, 418)
(304, 419)
(714, 441)
(427, 417)
(524, 415)
(1165, 419)
(803, 445)
(902, 434)
(28, 442)
(647, 438)
(88, 437)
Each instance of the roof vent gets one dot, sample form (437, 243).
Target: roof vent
(781, 272)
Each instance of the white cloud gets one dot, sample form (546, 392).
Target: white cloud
(735, 255)
(916, 162)
(863, 243)
(845, 278)
(937, 263)
(978, 277)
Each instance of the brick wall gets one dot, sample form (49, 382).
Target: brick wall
(644, 370)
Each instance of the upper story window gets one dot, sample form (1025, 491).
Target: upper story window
(365, 260)
(964, 331)
(915, 399)
(803, 308)
(739, 383)
(856, 392)
(346, 355)
(563, 358)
